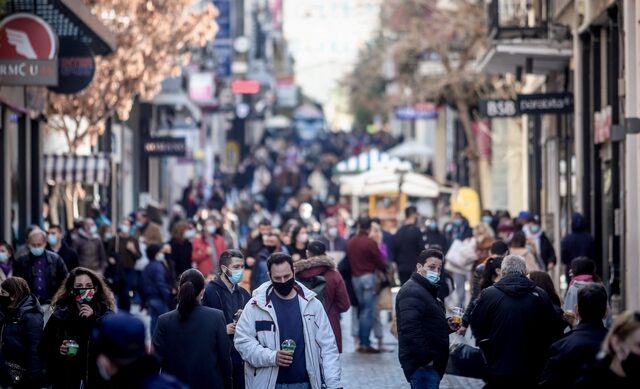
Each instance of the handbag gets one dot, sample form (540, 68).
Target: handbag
(16, 372)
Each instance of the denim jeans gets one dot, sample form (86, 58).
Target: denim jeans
(425, 378)
(364, 287)
(156, 308)
(304, 385)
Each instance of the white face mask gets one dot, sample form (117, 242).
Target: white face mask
(103, 372)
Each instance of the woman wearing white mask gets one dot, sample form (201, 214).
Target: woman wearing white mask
(6, 261)
(226, 294)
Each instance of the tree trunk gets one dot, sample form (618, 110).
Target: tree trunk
(475, 179)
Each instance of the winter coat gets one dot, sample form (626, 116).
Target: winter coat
(55, 273)
(65, 324)
(259, 272)
(21, 329)
(423, 331)
(434, 238)
(364, 255)
(529, 259)
(254, 246)
(598, 374)
(196, 350)
(337, 244)
(144, 373)
(90, 251)
(408, 242)
(571, 353)
(201, 255)
(547, 253)
(515, 322)
(117, 246)
(258, 339)
(571, 299)
(68, 255)
(579, 243)
(336, 298)
(154, 282)
(461, 256)
(181, 251)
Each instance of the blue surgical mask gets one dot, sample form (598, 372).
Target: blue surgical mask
(333, 232)
(36, 251)
(535, 229)
(189, 234)
(160, 257)
(125, 229)
(487, 220)
(457, 222)
(94, 230)
(4, 257)
(108, 236)
(236, 276)
(52, 239)
(432, 276)
(433, 226)
(211, 229)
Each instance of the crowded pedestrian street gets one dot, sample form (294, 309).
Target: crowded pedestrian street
(319, 194)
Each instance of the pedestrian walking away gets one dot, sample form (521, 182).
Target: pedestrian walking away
(423, 330)
(191, 341)
(284, 335)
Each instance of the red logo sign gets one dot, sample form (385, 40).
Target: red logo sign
(26, 36)
(245, 87)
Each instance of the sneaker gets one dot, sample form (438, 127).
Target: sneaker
(368, 350)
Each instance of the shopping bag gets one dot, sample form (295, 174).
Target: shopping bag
(464, 359)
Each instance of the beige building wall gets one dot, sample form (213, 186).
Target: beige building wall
(507, 177)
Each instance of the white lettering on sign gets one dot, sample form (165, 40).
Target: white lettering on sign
(33, 70)
(13, 70)
(501, 108)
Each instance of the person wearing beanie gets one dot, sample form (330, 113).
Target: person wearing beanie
(122, 357)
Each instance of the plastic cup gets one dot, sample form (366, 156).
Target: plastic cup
(289, 346)
(72, 348)
(456, 315)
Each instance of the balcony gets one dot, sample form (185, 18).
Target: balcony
(523, 36)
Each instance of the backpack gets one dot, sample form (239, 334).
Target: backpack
(317, 285)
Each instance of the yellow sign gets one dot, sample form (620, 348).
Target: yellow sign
(232, 154)
(466, 201)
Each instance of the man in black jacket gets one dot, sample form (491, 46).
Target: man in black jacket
(226, 295)
(514, 323)
(407, 244)
(423, 330)
(580, 346)
(55, 243)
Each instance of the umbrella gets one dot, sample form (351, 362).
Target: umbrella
(410, 149)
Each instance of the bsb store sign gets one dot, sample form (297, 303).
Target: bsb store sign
(28, 48)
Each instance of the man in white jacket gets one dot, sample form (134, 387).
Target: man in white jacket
(279, 312)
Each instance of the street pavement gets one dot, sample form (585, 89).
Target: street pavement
(383, 371)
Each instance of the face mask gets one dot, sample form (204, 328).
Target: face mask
(103, 372)
(160, 257)
(211, 229)
(94, 230)
(457, 222)
(487, 220)
(630, 366)
(433, 226)
(84, 295)
(236, 276)
(333, 232)
(283, 288)
(5, 301)
(36, 251)
(108, 236)
(189, 234)
(535, 229)
(432, 276)
(302, 238)
(4, 257)
(270, 249)
(52, 239)
(125, 229)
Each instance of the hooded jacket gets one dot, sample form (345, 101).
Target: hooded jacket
(21, 329)
(423, 332)
(579, 243)
(515, 323)
(336, 298)
(258, 340)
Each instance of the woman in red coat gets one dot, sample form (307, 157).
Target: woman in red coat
(334, 294)
(208, 246)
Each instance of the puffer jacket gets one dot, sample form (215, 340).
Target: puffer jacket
(90, 251)
(21, 330)
(257, 340)
(336, 297)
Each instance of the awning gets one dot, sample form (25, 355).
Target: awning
(71, 168)
(69, 19)
(410, 149)
(382, 181)
(546, 55)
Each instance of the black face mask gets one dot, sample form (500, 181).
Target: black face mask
(631, 367)
(270, 249)
(284, 288)
(5, 301)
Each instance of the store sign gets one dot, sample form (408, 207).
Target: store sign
(202, 88)
(497, 108)
(602, 125)
(245, 87)
(28, 48)
(165, 146)
(417, 111)
(545, 103)
(76, 67)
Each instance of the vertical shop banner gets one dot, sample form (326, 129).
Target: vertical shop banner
(223, 44)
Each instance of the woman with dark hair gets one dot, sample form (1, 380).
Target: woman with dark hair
(21, 324)
(82, 301)
(299, 241)
(6, 260)
(583, 273)
(181, 235)
(518, 246)
(207, 248)
(191, 341)
(490, 273)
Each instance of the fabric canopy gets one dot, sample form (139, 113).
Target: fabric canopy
(379, 181)
(71, 168)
